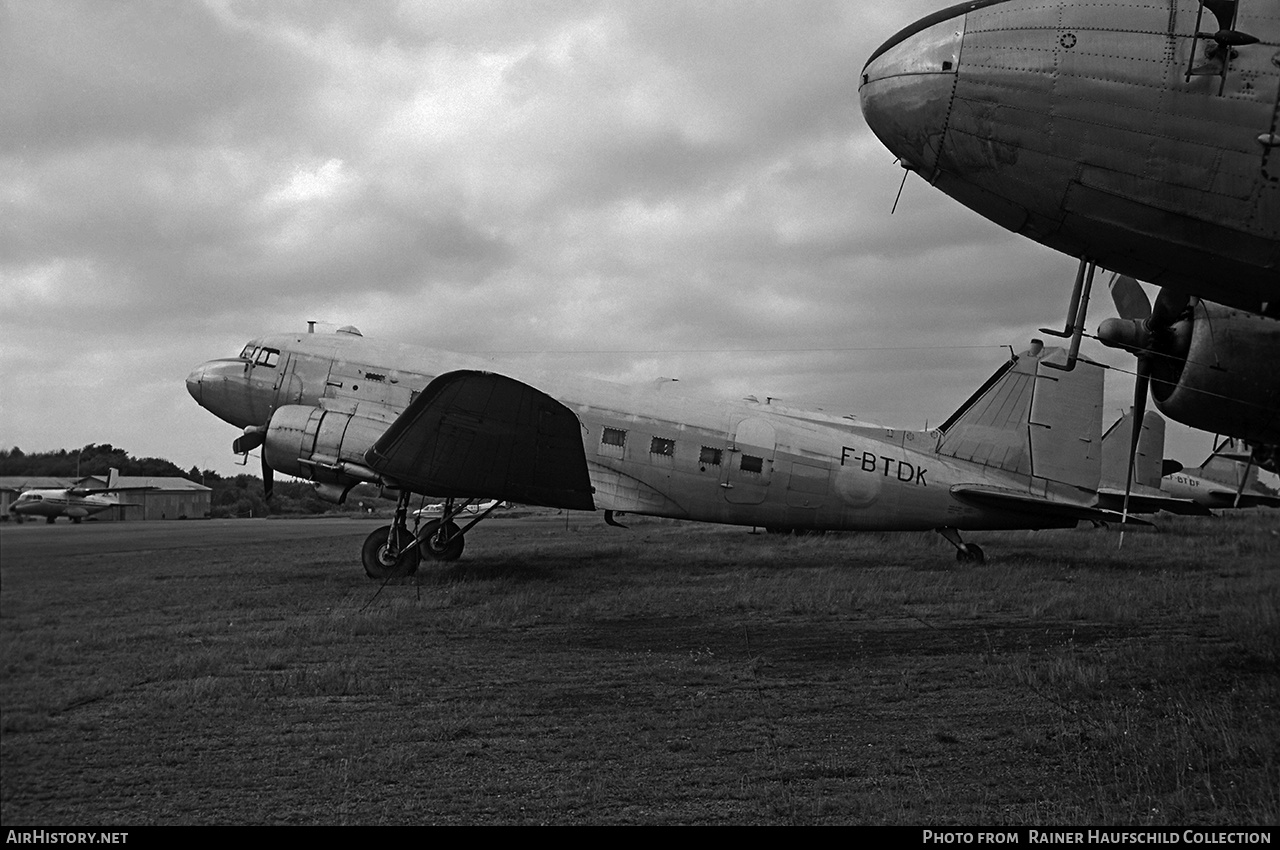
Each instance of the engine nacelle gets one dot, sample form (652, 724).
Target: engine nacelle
(323, 446)
(1229, 381)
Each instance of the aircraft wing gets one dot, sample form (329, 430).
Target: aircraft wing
(1018, 501)
(1112, 499)
(1225, 500)
(479, 434)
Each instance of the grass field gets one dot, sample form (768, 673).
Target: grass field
(564, 672)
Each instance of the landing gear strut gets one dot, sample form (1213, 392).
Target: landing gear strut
(441, 539)
(386, 553)
(966, 553)
(391, 551)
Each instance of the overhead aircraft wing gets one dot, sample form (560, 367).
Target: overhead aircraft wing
(1000, 498)
(479, 434)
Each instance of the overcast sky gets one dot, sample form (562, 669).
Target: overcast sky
(630, 189)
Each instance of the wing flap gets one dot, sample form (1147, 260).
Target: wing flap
(1016, 501)
(480, 434)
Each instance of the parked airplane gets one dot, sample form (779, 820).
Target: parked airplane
(1227, 479)
(338, 410)
(74, 502)
(1141, 137)
(438, 508)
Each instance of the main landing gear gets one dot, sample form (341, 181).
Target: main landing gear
(966, 553)
(393, 551)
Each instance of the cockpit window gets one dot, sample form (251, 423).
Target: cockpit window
(267, 357)
(249, 351)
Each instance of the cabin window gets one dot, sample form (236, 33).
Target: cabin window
(662, 446)
(751, 463)
(709, 456)
(249, 351)
(268, 357)
(613, 437)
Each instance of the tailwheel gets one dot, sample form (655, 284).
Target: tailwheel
(966, 553)
(384, 556)
(442, 541)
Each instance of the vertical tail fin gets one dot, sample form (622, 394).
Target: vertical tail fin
(1149, 463)
(113, 478)
(1230, 465)
(1033, 421)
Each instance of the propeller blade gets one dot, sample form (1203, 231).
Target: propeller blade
(1140, 387)
(1170, 304)
(1130, 300)
(268, 478)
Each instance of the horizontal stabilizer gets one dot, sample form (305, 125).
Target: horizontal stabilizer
(999, 498)
(1226, 500)
(1148, 503)
(478, 434)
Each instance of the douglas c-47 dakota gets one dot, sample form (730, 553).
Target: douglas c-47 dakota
(340, 410)
(1137, 136)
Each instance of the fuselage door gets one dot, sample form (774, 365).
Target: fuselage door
(748, 466)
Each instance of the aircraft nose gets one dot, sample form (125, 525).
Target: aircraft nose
(194, 383)
(907, 86)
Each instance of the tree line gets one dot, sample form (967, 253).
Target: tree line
(236, 496)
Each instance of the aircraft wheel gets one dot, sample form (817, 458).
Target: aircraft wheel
(48, 520)
(441, 551)
(973, 556)
(378, 562)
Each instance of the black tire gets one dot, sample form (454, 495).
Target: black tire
(431, 547)
(377, 563)
(971, 554)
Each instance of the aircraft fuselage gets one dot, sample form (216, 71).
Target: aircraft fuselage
(52, 503)
(1110, 131)
(648, 450)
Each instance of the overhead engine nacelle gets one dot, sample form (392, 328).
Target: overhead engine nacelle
(1228, 381)
(323, 446)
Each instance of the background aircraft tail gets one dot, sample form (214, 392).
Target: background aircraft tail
(1148, 466)
(1033, 420)
(1228, 465)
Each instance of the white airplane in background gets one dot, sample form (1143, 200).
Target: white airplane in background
(74, 502)
(1227, 479)
(438, 508)
(338, 410)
